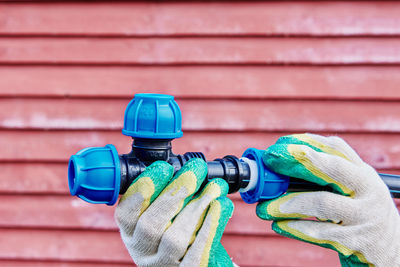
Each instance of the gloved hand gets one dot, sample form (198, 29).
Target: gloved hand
(163, 222)
(359, 220)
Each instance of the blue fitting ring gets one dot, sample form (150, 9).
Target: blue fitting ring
(269, 184)
(94, 175)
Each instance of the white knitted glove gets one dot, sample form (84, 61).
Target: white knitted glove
(359, 220)
(163, 223)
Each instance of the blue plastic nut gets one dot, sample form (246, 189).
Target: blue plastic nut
(94, 175)
(153, 116)
(269, 185)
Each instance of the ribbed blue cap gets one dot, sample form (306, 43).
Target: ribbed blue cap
(269, 184)
(153, 116)
(94, 175)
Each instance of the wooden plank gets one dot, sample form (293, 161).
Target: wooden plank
(62, 245)
(379, 150)
(349, 82)
(36, 178)
(208, 114)
(149, 51)
(107, 247)
(244, 18)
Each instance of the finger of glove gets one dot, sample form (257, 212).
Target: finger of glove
(154, 221)
(322, 205)
(220, 257)
(324, 234)
(140, 194)
(182, 232)
(331, 145)
(300, 161)
(209, 236)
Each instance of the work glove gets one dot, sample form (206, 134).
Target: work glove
(358, 219)
(164, 221)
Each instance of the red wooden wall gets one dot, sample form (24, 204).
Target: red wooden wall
(244, 73)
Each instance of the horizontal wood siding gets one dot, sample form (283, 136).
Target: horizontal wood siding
(254, 82)
(244, 74)
(344, 18)
(197, 51)
(208, 115)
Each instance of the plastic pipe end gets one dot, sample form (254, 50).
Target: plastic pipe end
(94, 175)
(153, 116)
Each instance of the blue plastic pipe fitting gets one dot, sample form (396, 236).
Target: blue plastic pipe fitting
(153, 116)
(94, 175)
(98, 174)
